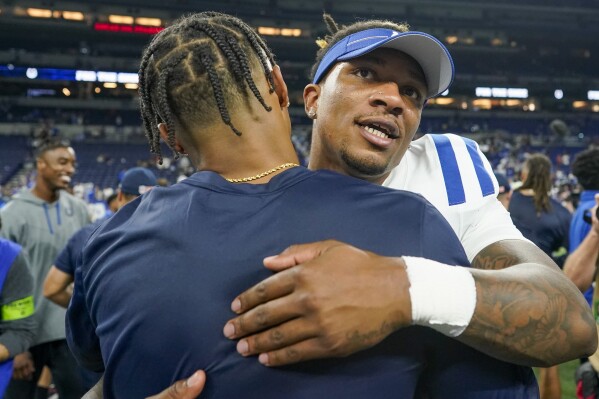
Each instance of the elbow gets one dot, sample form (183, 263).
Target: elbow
(48, 294)
(589, 344)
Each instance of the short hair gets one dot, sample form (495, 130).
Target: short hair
(51, 144)
(202, 53)
(539, 180)
(586, 168)
(111, 198)
(337, 33)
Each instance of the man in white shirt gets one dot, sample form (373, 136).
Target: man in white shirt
(370, 83)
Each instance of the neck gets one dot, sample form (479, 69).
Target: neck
(251, 154)
(42, 191)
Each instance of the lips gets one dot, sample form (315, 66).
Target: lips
(65, 179)
(378, 131)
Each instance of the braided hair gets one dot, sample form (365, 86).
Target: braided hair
(200, 53)
(337, 33)
(586, 168)
(539, 180)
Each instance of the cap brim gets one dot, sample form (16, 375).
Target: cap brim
(430, 53)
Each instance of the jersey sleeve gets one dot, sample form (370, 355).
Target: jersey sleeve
(489, 223)
(18, 323)
(439, 241)
(67, 256)
(472, 192)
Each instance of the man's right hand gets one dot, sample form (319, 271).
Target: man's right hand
(328, 299)
(23, 367)
(184, 389)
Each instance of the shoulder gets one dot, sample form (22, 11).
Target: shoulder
(452, 162)
(340, 185)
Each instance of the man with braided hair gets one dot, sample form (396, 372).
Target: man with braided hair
(370, 83)
(185, 250)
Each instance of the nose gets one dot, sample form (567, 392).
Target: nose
(70, 168)
(387, 96)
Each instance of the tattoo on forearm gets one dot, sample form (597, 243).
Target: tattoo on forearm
(528, 318)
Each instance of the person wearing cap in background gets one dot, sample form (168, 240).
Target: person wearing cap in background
(504, 190)
(42, 220)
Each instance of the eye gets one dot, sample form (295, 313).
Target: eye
(364, 73)
(412, 92)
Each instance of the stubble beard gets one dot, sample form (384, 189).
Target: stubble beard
(363, 166)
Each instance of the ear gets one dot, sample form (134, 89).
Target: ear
(311, 95)
(280, 87)
(120, 198)
(164, 134)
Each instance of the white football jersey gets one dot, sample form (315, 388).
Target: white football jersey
(452, 173)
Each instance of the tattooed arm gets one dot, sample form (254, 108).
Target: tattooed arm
(528, 312)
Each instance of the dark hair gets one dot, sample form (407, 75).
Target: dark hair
(198, 54)
(111, 198)
(586, 168)
(539, 180)
(339, 32)
(51, 144)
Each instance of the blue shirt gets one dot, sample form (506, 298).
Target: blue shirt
(579, 228)
(154, 291)
(67, 258)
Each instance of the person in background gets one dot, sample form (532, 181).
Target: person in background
(545, 222)
(18, 324)
(42, 220)
(58, 286)
(112, 204)
(504, 193)
(586, 170)
(581, 268)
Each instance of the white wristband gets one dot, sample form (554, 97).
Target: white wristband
(443, 296)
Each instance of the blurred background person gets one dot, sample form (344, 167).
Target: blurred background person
(545, 222)
(505, 190)
(42, 220)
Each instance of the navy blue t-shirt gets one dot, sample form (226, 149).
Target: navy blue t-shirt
(154, 291)
(66, 260)
(548, 230)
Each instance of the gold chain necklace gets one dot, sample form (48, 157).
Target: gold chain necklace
(261, 175)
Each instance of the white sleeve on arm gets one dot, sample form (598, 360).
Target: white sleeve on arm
(488, 223)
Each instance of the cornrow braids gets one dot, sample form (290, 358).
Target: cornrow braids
(163, 106)
(198, 53)
(338, 32)
(218, 91)
(586, 168)
(539, 180)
